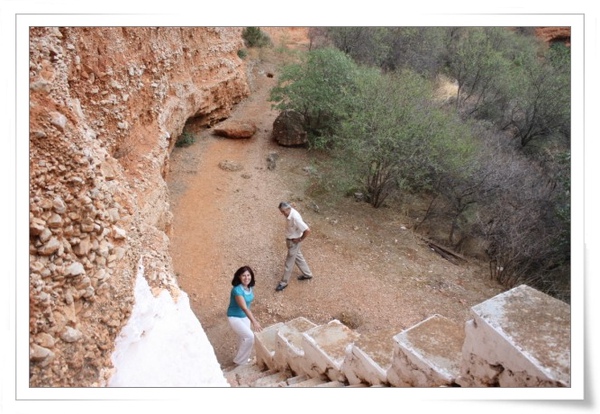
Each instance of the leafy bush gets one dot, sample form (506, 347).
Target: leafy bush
(254, 37)
(321, 88)
(185, 140)
(242, 53)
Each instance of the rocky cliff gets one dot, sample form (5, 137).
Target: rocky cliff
(554, 34)
(106, 107)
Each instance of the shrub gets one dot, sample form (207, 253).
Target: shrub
(185, 140)
(254, 37)
(321, 88)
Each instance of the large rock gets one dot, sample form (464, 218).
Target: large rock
(288, 129)
(236, 129)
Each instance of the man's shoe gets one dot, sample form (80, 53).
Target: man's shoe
(280, 287)
(304, 277)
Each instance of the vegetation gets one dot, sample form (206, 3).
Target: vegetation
(321, 88)
(254, 37)
(541, 103)
(512, 81)
(185, 140)
(419, 49)
(494, 163)
(388, 159)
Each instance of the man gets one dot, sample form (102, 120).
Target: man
(296, 231)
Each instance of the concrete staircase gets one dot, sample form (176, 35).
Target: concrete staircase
(256, 376)
(300, 353)
(297, 354)
(495, 348)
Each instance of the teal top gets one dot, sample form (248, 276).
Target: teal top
(234, 309)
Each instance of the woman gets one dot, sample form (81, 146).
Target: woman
(240, 317)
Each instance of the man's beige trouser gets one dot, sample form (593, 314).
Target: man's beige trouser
(294, 256)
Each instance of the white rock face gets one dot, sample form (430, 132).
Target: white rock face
(164, 345)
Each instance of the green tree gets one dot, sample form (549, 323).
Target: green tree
(392, 48)
(420, 49)
(397, 140)
(366, 45)
(541, 103)
(321, 88)
(476, 64)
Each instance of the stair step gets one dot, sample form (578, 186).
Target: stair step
(296, 379)
(429, 353)
(234, 374)
(265, 346)
(270, 380)
(325, 347)
(240, 368)
(332, 384)
(288, 345)
(245, 375)
(369, 358)
(312, 382)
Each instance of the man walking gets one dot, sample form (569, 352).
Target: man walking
(296, 231)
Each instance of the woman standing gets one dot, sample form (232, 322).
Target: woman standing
(240, 317)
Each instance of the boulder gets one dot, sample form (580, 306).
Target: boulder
(288, 129)
(236, 129)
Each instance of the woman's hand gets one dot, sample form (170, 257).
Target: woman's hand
(256, 326)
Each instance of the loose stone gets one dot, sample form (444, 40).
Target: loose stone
(74, 269)
(51, 247)
(71, 335)
(40, 354)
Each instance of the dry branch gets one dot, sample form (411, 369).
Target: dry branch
(446, 253)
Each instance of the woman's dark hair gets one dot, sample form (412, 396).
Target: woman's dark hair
(236, 277)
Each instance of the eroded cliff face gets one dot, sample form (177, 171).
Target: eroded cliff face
(106, 106)
(554, 34)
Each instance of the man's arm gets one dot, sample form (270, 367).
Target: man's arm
(304, 236)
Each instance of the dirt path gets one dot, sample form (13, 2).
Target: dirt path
(224, 219)
(371, 272)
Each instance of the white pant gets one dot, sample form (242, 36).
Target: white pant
(241, 326)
